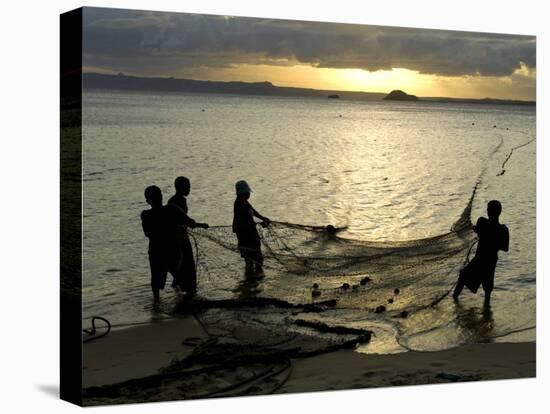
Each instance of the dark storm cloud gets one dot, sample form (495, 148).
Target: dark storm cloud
(159, 43)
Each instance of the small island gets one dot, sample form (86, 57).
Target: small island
(398, 95)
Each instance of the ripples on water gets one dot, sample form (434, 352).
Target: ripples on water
(387, 171)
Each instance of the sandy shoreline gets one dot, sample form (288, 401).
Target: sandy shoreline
(473, 362)
(177, 359)
(138, 351)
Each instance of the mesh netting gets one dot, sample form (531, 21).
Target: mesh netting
(359, 274)
(398, 275)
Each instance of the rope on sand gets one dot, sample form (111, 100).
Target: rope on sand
(519, 330)
(263, 375)
(92, 332)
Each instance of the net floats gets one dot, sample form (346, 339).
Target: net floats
(365, 280)
(315, 291)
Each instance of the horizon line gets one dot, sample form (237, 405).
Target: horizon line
(298, 87)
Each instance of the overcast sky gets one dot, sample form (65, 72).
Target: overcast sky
(310, 54)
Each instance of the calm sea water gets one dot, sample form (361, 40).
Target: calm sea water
(389, 171)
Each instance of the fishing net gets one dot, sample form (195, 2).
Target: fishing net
(309, 264)
(257, 322)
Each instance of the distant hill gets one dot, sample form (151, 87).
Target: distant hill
(398, 95)
(124, 82)
(492, 101)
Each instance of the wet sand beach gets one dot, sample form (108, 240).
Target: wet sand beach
(472, 362)
(178, 359)
(138, 351)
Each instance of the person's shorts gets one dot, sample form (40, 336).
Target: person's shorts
(478, 272)
(250, 245)
(161, 264)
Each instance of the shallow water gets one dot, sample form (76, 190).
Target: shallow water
(387, 171)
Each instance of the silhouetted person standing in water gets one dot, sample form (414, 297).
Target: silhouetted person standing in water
(244, 227)
(187, 273)
(160, 226)
(493, 237)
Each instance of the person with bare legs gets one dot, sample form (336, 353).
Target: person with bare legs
(244, 227)
(160, 226)
(493, 237)
(187, 274)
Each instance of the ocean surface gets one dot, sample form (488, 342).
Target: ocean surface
(386, 172)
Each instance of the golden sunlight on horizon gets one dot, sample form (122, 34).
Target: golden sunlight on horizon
(519, 85)
(306, 76)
